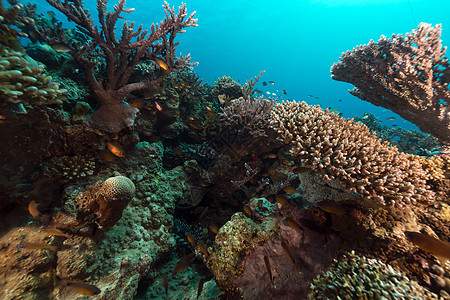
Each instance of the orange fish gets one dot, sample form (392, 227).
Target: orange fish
(282, 199)
(214, 228)
(136, 103)
(203, 248)
(430, 244)
(106, 155)
(332, 207)
(54, 231)
(115, 149)
(83, 288)
(208, 108)
(165, 283)
(182, 264)
(301, 170)
(173, 101)
(36, 246)
(191, 239)
(294, 225)
(193, 126)
(290, 190)
(163, 65)
(271, 155)
(33, 209)
(248, 210)
(158, 107)
(287, 252)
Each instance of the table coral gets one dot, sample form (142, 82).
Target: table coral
(338, 148)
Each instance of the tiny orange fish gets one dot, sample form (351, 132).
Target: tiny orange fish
(158, 107)
(106, 155)
(430, 244)
(332, 208)
(165, 283)
(191, 239)
(203, 248)
(83, 288)
(173, 101)
(163, 65)
(33, 209)
(214, 229)
(208, 108)
(36, 246)
(191, 119)
(294, 225)
(248, 210)
(271, 155)
(290, 190)
(301, 170)
(136, 104)
(115, 149)
(54, 231)
(282, 199)
(182, 264)
(193, 126)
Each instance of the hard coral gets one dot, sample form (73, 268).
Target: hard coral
(358, 277)
(341, 149)
(70, 167)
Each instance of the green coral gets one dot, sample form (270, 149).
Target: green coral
(358, 277)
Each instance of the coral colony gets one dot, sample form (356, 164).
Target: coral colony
(124, 176)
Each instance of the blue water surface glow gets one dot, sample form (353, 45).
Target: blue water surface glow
(295, 42)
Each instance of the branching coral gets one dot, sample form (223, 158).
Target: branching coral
(11, 18)
(70, 167)
(406, 74)
(117, 58)
(341, 149)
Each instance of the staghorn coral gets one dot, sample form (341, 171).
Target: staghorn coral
(345, 150)
(70, 167)
(358, 277)
(406, 74)
(109, 62)
(22, 81)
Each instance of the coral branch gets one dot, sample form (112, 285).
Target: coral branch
(406, 74)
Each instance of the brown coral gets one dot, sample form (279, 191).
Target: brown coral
(338, 148)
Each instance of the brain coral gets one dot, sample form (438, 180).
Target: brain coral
(355, 277)
(341, 149)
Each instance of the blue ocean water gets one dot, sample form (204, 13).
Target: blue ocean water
(295, 41)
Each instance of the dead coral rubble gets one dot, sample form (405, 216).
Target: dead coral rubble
(408, 75)
(339, 148)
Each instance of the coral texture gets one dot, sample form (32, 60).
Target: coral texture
(111, 86)
(406, 74)
(70, 167)
(11, 18)
(339, 148)
(355, 277)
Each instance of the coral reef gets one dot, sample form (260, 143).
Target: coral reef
(406, 74)
(358, 277)
(339, 148)
(70, 167)
(12, 18)
(112, 85)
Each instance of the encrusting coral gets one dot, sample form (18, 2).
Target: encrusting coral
(408, 75)
(338, 148)
(358, 277)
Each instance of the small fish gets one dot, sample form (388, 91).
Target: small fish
(136, 103)
(203, 248)
(191, 239)
(83, 288)
(430, 244)
(287, 252)
(182, 264)
(267, 262)
(273, 94)
(268, 93)
(309, 96)
(290, 190)
(158, 107)
(33, 209)
(272, 82)
(36, 246)
(106, 155)
(214, 229)
(264, 83)
(51, 14)
(391, 118)
(334, 110)
(248, 210)
(194, 127)
(165, 283)
(208, 108)
(173, 101)
(54, 231)
(364, 117)
(61, 48)
(316, 97)
(293, 224)
(340, 100)
(257, 92)
(284, 92)
(271, 155)
(191, 119)
(200, 288)
(332, 207)
(115, 149)
(301, 170)
(161, 63)
(282, 199)
(394, 125)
